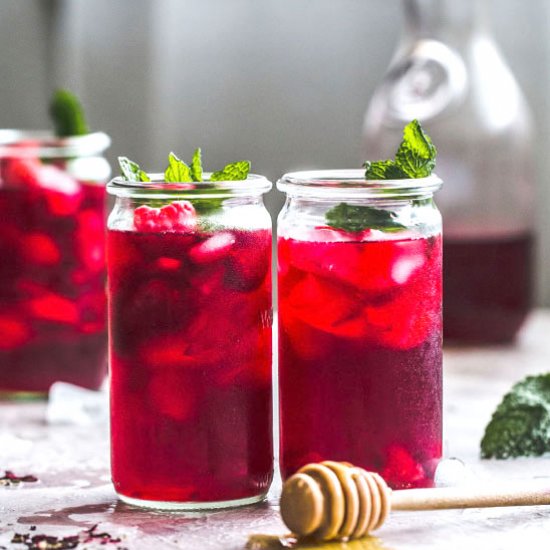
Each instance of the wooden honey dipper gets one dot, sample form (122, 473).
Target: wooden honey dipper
(336, 500)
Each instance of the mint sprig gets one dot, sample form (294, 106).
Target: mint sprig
(177, 171)
(131, 171)
(415, 157)
(196, 165)
(180, 172)
(416, 154)
(383, 170)
(235, 171)
(520, 425)
(67, 114)
(356, 218)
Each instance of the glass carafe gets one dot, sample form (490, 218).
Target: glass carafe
(448, 73)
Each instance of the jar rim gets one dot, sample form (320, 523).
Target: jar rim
(351, 183)
(253, 185)
(51, 146)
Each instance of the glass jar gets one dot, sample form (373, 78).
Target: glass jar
(52, 272)
(360, 324)
(190, 321)
(449, 73)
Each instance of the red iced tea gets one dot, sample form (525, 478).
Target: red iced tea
(487, 303)
(360, 352)
(190, 357)
(52, 276)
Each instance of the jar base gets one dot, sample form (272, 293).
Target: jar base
(191, 506)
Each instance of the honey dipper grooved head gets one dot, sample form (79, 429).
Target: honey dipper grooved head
(334, 500)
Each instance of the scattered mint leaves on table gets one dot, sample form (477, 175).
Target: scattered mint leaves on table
(415, 158)
(520, 425)
(67, 114)
(356, 218)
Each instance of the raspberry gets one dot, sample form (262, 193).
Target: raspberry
(176, 216)
(401, 470)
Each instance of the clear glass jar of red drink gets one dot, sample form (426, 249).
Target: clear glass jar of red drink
(52, 269)
(190, 321)
(360, 324)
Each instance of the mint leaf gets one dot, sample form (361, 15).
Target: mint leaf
(232, 172)
(67, 114)
(177, 171)
(356, 218)
(383, 170)
(520, 425)
(196, 165)
(416, 154)
(131, 170)
(415, 157)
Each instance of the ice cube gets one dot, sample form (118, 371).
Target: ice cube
(452, 472)
(375, 266)
(12, 446)
(326, 306)
(54, 307)
(70, 404)
(214, 248)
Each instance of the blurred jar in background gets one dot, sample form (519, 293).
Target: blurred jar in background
(448, 72)
(52, 261)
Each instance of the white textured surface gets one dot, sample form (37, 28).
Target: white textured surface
(74, 492)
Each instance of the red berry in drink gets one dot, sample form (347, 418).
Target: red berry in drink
(14, 332)
(40, 249)
(401, 469)
(176, 216)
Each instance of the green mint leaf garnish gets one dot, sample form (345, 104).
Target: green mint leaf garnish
(67, 115)
(131, 170)
(196, 165)
(383, 170)
(415, 157)
(416, 154)
(232, 172)
(356, 218)
(520, 425)
(177, 171)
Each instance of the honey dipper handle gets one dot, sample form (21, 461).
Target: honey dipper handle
(469, 497)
